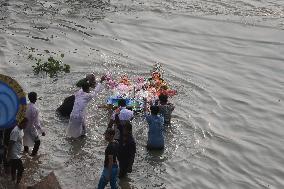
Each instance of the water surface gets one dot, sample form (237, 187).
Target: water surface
(225, 58)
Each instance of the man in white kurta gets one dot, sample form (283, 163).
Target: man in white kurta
(77, 123)
(31, 132)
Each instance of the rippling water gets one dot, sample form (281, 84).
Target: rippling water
(224, 57)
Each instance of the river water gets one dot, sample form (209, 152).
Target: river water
(225, 58)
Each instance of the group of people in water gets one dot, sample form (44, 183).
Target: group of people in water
(121, 149)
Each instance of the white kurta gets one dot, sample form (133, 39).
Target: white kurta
(33, 127)
(76, 126)
(124, 115)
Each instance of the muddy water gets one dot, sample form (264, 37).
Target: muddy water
(225, 58)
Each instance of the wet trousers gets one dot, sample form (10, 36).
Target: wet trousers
(35, 149)
(113, 180)
(16, 167)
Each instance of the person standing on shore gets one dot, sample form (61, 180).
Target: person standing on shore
(31, 132)
(14, 151)
(77, 122)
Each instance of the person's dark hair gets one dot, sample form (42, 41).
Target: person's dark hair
(23, 121)
(85, 87)
(32, 97)
(154, 110)
(163, 98)
(121, 102)
(110, 131)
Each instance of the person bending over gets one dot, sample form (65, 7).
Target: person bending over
(77, 122)
(66, 107)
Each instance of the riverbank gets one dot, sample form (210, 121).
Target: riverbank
(48, 182)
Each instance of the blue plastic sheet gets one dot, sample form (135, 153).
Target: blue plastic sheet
(12, 102)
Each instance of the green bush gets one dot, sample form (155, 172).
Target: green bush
(51, 67)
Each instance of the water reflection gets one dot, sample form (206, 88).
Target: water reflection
(31, 165)
(125, 183)
(76, 145)
(155, 157)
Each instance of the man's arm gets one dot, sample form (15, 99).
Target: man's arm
(145, 108)
(110, 123)
(37, 122)
(132, 116)
(172, 107)
(117, 121)
(114, 118)
(98, 88)
(10, 146)
(13, 139)
(162, 120)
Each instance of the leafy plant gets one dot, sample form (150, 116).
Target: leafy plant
(51, 67)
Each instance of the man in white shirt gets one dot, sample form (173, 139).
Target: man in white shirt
(77, 124)
(31, 132)
(14, 150)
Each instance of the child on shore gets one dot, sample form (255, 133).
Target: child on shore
(14, 150)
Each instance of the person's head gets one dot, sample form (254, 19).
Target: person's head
(32, 97)
(109, 134)
(86, 87)
(23, 123)
(163, 98)
(91, 79)
(121, 102)
(156, 75)
(154, 110)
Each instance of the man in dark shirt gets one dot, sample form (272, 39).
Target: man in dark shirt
(166, 109)
(126, 150)
(110, 171)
